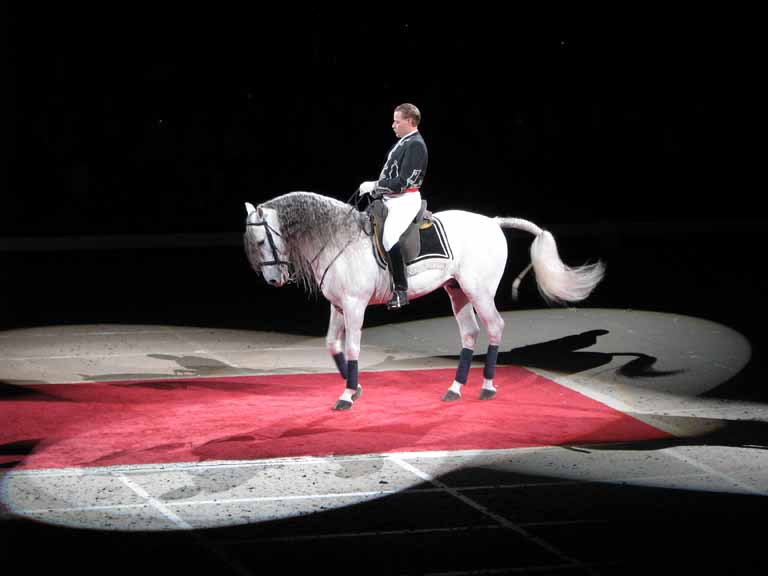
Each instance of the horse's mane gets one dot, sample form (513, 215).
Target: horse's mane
(311, 222)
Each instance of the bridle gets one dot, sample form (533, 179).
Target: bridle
(276, 257)
(270, 239)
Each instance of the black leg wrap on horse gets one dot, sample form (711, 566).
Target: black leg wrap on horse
(490, 362)
(352, 374)
(341, 364)
(465, 360)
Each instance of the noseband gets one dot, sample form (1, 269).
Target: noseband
(275, 256)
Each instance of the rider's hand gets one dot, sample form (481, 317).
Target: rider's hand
(367, 187)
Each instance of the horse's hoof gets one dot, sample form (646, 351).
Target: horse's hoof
(358, 393)
(343, 405)
(486, 394)
(451, 396)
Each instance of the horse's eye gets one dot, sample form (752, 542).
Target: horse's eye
(260, 242)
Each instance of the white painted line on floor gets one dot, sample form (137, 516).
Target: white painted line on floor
(676, 453)
(99, 508)
(183, 525)
(441, 485)
(408, 531)
(364, 534)
(254, 499)
(284, 461)
(361, 494)
(506, 523)
(545, 569)
(212, 465)
(155, 503)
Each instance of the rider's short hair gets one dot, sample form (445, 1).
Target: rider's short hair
(409, 111)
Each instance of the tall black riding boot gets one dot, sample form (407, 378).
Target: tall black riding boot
(399, 279)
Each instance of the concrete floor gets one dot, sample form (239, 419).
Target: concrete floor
(694, 501)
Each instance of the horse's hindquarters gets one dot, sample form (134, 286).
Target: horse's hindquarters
(479, 249)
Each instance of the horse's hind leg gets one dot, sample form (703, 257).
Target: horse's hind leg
(494, 325)
(465, 317)
(334, 340)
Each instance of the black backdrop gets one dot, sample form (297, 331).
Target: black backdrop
(139, 120)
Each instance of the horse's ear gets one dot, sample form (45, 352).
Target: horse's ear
(249, 208)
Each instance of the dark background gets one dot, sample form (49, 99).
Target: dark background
(139, 132)
(130, 120)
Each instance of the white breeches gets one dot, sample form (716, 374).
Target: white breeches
(402, 210)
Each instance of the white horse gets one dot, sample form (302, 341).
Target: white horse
(326, 245)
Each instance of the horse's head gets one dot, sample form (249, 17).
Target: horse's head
(264, 245)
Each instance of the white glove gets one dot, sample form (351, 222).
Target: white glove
(367, 187)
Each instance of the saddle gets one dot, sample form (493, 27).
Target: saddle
(410, 240)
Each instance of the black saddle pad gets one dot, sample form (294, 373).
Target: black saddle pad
(434, 244)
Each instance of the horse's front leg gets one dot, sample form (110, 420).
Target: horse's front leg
(334, 340)
(354, 313)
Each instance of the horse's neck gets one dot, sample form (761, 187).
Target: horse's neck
(348, 263)
(321, 231)
(334, 249)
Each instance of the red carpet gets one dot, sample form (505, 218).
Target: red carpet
(252, 417)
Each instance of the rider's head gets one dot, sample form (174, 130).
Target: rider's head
(406, 119)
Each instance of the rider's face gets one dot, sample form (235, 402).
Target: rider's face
(401, 126)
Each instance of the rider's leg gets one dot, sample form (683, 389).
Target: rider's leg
(399, 278)
(401, 212)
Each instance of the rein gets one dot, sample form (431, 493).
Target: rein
(355, 196)
(331, 262)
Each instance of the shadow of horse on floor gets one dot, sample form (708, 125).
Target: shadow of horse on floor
(567, 356)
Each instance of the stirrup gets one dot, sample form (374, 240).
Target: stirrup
(399, 299)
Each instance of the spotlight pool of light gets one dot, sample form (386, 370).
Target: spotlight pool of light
(649, 365)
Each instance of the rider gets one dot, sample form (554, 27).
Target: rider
(400, 183)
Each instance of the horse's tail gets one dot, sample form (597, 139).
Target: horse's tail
(557, 282)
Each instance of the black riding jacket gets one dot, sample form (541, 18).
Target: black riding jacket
(406, 165)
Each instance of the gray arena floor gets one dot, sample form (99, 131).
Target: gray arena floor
(694, 500)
